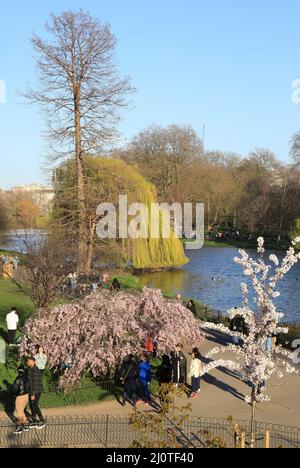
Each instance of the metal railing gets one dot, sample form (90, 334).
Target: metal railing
(55, 398)
(118, 432)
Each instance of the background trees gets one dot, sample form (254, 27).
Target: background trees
(163, 156)
(254, 194)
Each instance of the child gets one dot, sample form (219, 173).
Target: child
(195, 371)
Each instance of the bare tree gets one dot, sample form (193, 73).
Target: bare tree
(4, 218)
(82, 94)
(163, 154)
(46, 261)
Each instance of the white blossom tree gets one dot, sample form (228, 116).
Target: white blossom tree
(256, 361)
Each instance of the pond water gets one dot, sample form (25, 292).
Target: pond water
(211, 276)
(19, 239)
(214, 279)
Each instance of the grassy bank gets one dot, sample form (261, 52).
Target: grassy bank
(282, 246)
(11, 296)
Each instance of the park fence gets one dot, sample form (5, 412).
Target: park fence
(118, 432)
(56, 398)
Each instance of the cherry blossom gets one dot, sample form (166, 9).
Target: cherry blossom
(94, 335)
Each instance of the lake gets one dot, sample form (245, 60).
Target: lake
(196, 281)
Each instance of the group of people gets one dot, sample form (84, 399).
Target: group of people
(8, 265)
(238, 325)
(28, 389)
(136, 376)
(80, 286)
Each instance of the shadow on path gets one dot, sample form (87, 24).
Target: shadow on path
(211, 380)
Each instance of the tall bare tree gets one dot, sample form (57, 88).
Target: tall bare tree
(4, 218)
(82, 94)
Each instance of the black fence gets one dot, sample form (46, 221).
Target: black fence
(118, 432)
(55, 398)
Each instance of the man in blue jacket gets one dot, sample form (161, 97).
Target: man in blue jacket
(145, 377)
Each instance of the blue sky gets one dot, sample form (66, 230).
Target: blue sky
(226, 63)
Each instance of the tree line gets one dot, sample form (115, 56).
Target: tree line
(258, 193)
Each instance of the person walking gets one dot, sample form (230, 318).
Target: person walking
(41, 359)
(20, 390)
(195, 373)
(12, 321)
(129, 374)
(36, 389)
(179, 364)
(145, 377)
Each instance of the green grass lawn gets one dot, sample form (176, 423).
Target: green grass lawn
(11, 296)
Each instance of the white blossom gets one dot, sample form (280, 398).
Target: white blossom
(254, 364)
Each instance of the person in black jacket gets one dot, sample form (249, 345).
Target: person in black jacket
(21, 391)
(191, 306)
(35, 382)
(129, 374)
(164, 372)
(179, 363)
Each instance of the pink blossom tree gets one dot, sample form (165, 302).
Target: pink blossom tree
(255, 362)
(95, 334)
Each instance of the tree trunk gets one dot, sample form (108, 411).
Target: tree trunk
(82, 245)
(252, 430)
(90, 248)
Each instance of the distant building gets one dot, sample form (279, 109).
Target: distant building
(42, 195)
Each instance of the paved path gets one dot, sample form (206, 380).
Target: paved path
(222, 396)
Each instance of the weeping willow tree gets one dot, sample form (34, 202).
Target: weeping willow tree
(105, 180)
(296, 232)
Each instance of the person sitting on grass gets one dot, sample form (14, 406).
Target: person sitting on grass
(20, 390)
(145, 377)
(195, 372)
